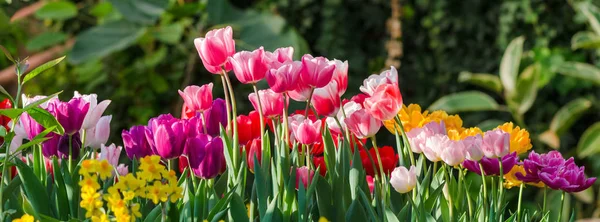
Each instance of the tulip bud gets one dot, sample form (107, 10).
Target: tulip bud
(403, 180)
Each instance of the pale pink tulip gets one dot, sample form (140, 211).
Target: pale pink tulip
(272, 102)
(435, 145)
(95, 111)
(362, 124)
(294, 121)
(110, 153)
(122, 170)
(495, 144)
(197, 98)
(284, 78)
(340, 75)
(316, 72)
(250, 67)
(454, 154)
(216, 46)
(373, 81)
(418, 136)
(473, 147)
(326, 100)
(403, 180)
(385, 103)
(98, 135)
(280, 56)
(307, 132)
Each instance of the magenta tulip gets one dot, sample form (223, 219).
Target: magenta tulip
(316, 72)
(216, 46)
(197, 98)
(70, 114)
(135, 142)
(250, 67)
(166, 136)
(285, 77)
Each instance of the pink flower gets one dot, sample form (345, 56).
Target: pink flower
(362, 124)
(496, 143)
(454, 154)
(373, 81)
(285, 77)
(385, 103)
(272, 102)
(122, 170)
(435, 145)
(250, 67)
(304, 175)
(301, 91)
(418, 136)
(306, 131)
(370, 183)
(94, 112)
(280, 56)
(473, 147)
(326, 100)
(216, 47)
(197, 98)
(340, 75)
(403, 180)
(110, 153)
(98, 135)
(316, 72)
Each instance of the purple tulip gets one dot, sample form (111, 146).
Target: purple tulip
(205, 155)
(491, 166)
(64, 146)
(70, 114)
(215, 117)
(31, 127)
(193, 126)
(50, 146)
(556, 172)
(166, 136)
(135, 142)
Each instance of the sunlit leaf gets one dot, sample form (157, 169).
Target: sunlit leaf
(465, 101)
(40, 69)
(585, 40)
(509, 67)
(59, 10)
(589, 143)
(580, 70)
(485, 80)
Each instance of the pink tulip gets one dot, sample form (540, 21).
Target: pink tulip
(370, 183)
(373, 81)
(326, 100)
(340, 75)
(301, 91)
(304, 175)
(473, 147)
(285, 77)
(98, 135)
(250, 67)
(418, 136)
(94, 112)
(306, 131)
(403, 180)
(272, 102)
(216, 47)
(110, 153)
(385, 103)
(197, 98)
(495, 144)
(122, 170)
(280, 56)
(454, 154)
(435, 145)
(362, 124)
(316, 72)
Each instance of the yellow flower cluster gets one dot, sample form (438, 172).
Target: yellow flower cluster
(412, 116)
(510, 180)
(519, 138)
(153, 182)
(25, 218)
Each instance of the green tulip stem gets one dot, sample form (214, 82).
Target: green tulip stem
(227, 100)
(544, 203)
(312, 90)
(233, 119)
(500, 188)
(286, 124)
(519, 203)
(261, 116)
(447, 183)
(485, 206)
(71, 154)
(562, 204)
(204, 121)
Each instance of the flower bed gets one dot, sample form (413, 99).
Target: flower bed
(319, 163)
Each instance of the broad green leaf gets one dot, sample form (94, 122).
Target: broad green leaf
(589, 143)
(45, 40)
(141, 11)
(591, 13)
(585, 40)
(526, 91)
(568, 114)
(485, 80)
(101, 9)
(35, 191)
(357, 213)
(59, 10)
(170, 34)
(509, 67)
(45, 119)
(465, 101)
(11, 113)
(104, 39)
(13, 186)
(40, 69)
(62, 200)
(580, 70)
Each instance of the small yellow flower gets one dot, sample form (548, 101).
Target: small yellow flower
(323, 219)
(452, 122)
(519, 138)
(101, 217)
(510, 180)
(135, 210)
(89, 182)
(157, 192)
(25, 218)
(455, 135)
(150, 168)
(88, 166)
(105, 169)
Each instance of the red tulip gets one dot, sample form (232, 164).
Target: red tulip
(388, 160)
(248, 127)
(253, 148)
(320, 162)
(4, 120)
(385, 103)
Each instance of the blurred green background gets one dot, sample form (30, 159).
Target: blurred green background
(138, 53)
